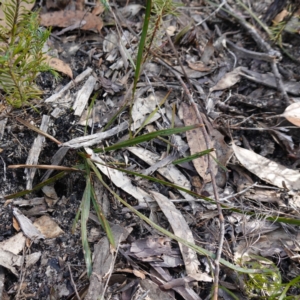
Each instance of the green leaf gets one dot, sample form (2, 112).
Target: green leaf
(101, 217)
(139, 60)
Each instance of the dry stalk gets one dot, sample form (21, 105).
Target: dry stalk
(73, 282)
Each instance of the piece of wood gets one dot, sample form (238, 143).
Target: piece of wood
(35, 151)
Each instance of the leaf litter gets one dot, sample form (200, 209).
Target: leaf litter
(255, 162)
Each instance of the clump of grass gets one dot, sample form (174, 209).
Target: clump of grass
(21, 55)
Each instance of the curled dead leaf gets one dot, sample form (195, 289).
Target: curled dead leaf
(199, 66)
(227, 81)
(292, 113)
(59, 65)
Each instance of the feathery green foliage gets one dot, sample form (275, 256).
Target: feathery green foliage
(21, 59)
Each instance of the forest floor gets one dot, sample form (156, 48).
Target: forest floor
(208, 64)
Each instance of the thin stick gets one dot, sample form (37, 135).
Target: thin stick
(279, 82)
(32, 127)
(73, 283)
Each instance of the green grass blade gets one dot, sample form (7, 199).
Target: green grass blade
(101, 217)
(192, 157)
(85, 210)
(229, 292)
(148, 137)
(90, 111)
(218, 163)
(139, 60)
(38, 186)
(292, 283)
(75, 221)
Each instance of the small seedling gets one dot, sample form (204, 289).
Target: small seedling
(22, 58)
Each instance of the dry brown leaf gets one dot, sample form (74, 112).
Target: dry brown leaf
(199, 66)
(80, 4)
(69, 18)
(208, 51)
(292, 113)
(280, 16)
(228, 80)
(139, 274)
(196, 142)
(48, 227)
(98, 9)
(182, 230)
(16, 225)
(59, 65)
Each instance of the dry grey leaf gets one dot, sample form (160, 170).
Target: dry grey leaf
(15, 244)
(228, 80)
(130, 10)
(110, 42)
(9, 260)
(182, 230)
(121, 180)
(170, 172)
(27, 227)
(197, 143)
(267, 170)
(267, 245)
(90, 140)
(32, 258)
(83, 96)
(142, 107)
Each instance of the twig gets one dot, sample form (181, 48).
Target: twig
(22, 276)
(73, 283)
(213, 180)
(39, 131)
(111, 267)
(279, 82)
(213, 13)
(263, 45)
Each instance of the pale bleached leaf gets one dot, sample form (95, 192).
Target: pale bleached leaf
(292, 113)
(268, 170)
(120, 179)
(227, 81)
(182, 230)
